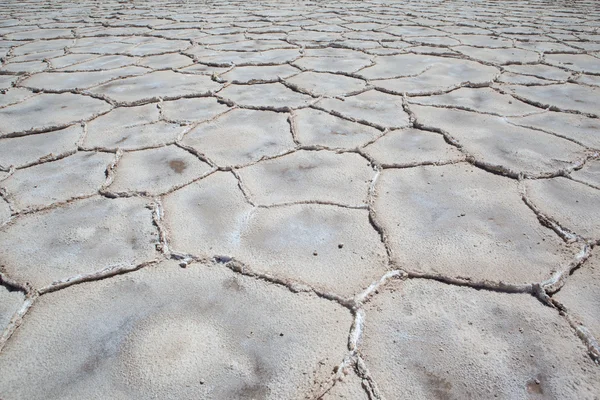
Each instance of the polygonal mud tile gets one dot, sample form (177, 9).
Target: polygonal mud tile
(160, 84)
(49, 112)
(318, 128)
(106, 47)
(14, 95)
(266, 36)
(499, 56)
(326, 84)
(266, 29)
(573, 205)
(364, 26)
(581, 295)
(333, 64)
(589, 174)
(539, 70)
(200, 53)
(131, 128)
(242, 136)
(41, 46)
(197, 109)
(326, 26)
(592, 47)
(12, 29)
(10, 302)
(439, 76)
(463, 33)
(192, 110)
(510, 78)
(11, 22)
(222, 37)
(578, 128)
(268, 73)
(303, 176)
(201, 69)
(81, 174)
(360, 45)
(424, 340)
(158, 46)
(383, 37)
(544, 47)
(303, 36)
(331, 248)
(246, 58)
(60, 63)
(411, 66)
(484, 100)
(41, 34)
(187, 34)
(253, 45)
(408, 147)
(575, 62)
(41, 56)
(274, 96)
(81, 237)
(206, 216)
(483, 231)
(82, 62)
(180, 335)
(499, 144)
(166, 61)
(28, 67)
(63, 81)
(565, 97)
(156, 171)
(349, 388)
(373, 107)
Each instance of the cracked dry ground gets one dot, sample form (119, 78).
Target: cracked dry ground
(300, 200)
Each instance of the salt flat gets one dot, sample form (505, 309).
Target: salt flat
(300, 200)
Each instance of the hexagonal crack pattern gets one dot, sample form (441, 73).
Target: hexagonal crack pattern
(368, 200)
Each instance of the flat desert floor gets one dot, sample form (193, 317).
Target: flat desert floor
(300, 200)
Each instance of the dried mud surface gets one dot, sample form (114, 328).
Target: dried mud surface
(300, 200)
